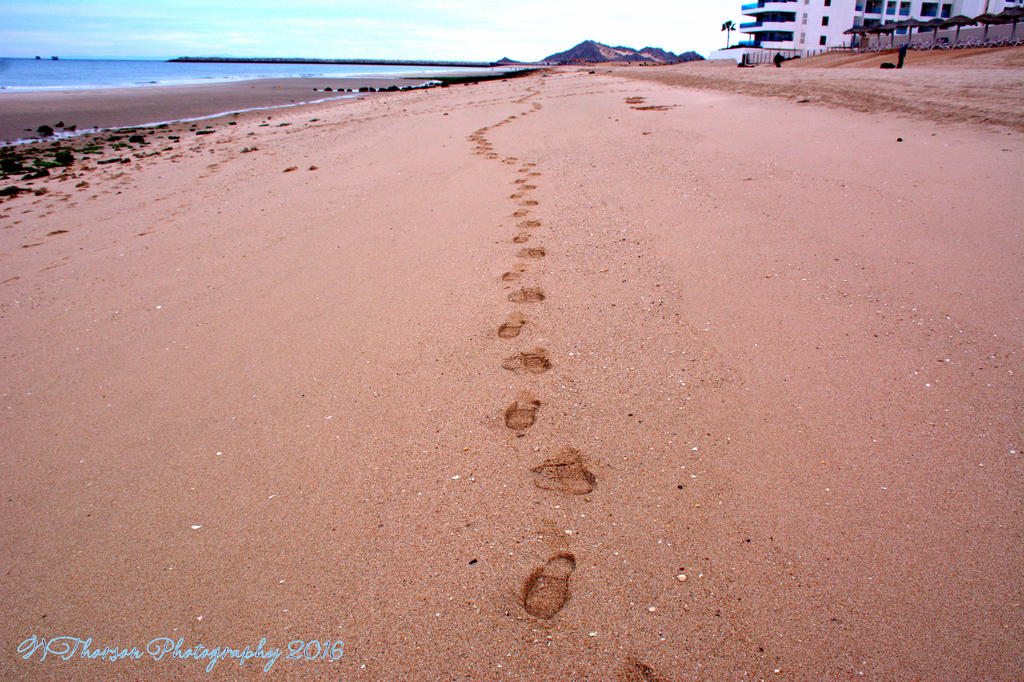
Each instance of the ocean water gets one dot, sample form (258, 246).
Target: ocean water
(20, 75)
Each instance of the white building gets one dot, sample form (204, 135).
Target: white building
(802, 27)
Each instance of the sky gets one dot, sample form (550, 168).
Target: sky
(476, 30)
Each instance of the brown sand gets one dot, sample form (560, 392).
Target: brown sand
(954, 86)
(241, 403)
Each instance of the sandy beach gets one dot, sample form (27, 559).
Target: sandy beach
(601, 373)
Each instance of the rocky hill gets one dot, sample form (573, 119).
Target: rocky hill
(594, 52)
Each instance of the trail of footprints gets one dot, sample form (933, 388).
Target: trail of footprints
(547, 589)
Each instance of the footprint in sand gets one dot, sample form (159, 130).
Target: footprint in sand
(527, 295)
(511, 328)
(521, 181)
(526, 187)
(520, 214)
(535, 361)
(521, 238)
(564, 472)
(528, 202)
(636, 671)
(532, 252)
(522, 413)
(517, 195)
(546, 591)
(511, 276)
(530, 224)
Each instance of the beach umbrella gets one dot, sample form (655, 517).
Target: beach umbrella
(935, 25)
(879, 29)
(910, 25)
(890, 28)
(989, 19)
(958, 21)
(868, 32)
(855, 31)
(1013, 15)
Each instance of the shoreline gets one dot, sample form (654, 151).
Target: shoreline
(355, 62)
(113, 108)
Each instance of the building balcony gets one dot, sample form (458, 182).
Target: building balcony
(772, 18)
(775, 39)
(767, 6)
(768, 27)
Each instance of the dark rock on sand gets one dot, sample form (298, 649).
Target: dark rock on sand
(137, 139)
(9, 165)
(11, 191)
(44, 130)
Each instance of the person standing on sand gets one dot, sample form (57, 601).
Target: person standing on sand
(778, 60)
(902, 55)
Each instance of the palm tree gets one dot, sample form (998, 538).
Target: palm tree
(728, 27)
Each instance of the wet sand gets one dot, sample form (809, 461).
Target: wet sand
(21, 113)
(575, 376)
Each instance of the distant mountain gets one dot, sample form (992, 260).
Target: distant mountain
(595, 52)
